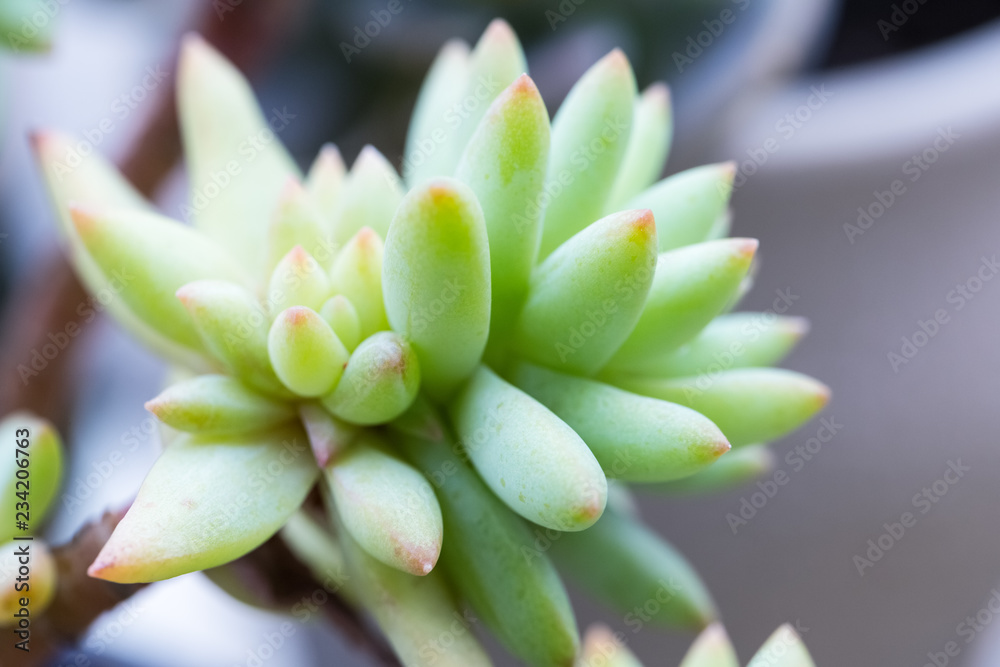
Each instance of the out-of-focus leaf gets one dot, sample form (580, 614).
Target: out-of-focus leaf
(236, 164)
(206, 501)
(590, 133)
(217, 405)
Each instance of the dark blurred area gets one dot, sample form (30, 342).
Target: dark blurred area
(896, 79)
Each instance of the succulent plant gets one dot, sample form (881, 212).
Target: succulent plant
(462, 358)
(29, 481)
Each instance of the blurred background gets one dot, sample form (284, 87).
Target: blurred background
(855, 94)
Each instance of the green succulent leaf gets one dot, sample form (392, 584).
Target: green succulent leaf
(217, 405)
(148, 257)
(380, 381)
(495, 62)
(635, 438)
(43, 453)
(369, 197)
(490, 559)
(783, 649)
(430, 145)
(91, 181)
(748, 404)
(604, 648)
(590, 133)
(325, 181)
(529, 457)
(387, 506)
(357, 274)
(298, 222)
(737, 340)
(341, 315)
(20, 30)
(305, 353)
(414, 613)
(735, 469)
(648, 146)
(625, 565)
(688, 204)
(234, 328)
(504, 164)
(712, 648)
(206, 501)
(436, 281)
(236, 164)
(298, 280)
(587, 296)
(15, 594)
(690, 287)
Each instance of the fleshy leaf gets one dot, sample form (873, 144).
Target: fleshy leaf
(495, 62)
(328, 436)
(690, 287)
(387, 506)
(298, 280)
(148, 257)
(206, 501)
(737, 340)
(688, 204)
(234, 327)
(416, 614)
(305, 353)
(648, 146)
(43, 454)
(430, 144)
(357, 274)
(217, 405)
(712, 648)
(340, 314)
(624, 564)
(587, 296)
(325, 180)
(369, 197)
(783, 649)
(504, 164)
(738, 467)
(436, 281)
(490, 559)
(26, 25)
(635, 438)
(90, 180)
(38, 588)
(590, 133)
(298, 222)
(380, 381)
(529, 457)
(236, 164)
(603, 647)
(748, 404)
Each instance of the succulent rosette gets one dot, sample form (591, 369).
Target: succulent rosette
(461, 358)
